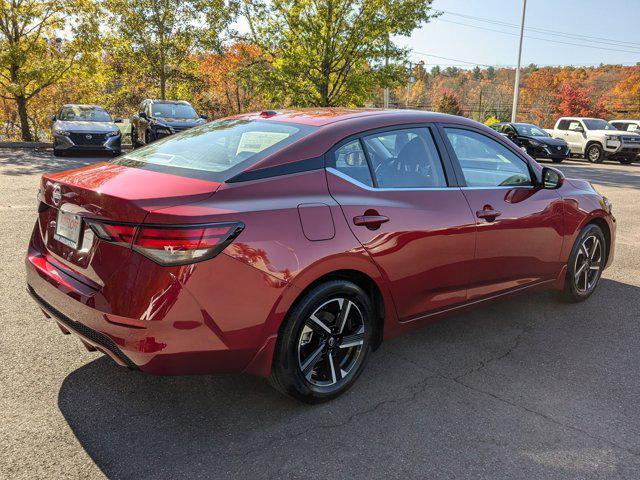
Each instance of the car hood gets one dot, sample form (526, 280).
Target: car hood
(553, 142)
(617, 133)
(89, 127)
(179, 122)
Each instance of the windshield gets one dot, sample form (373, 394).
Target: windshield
(173, 110)
(530, 130)
(217, 150)
(597, 124)
(84, 114)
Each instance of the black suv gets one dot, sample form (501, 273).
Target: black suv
(158, 118)
(534, 140)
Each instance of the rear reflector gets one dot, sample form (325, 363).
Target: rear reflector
(171, 244)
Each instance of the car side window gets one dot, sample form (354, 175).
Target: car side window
(573, 126)
(633, 127)
(485, 162)
(405, 158)
(351, 161)
(563, 125)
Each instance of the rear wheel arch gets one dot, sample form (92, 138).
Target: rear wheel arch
(362, 280)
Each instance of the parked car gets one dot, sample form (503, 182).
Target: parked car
(160, 118)
(290, 245)
(534, 140)
(627, 125)
(85, 128)
(597, 139)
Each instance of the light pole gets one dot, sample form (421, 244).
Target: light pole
(516, 88)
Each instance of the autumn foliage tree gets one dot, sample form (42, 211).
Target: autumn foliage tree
(41, 42)
(577, 101)
(449, 103)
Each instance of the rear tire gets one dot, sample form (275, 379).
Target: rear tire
(586, 263)
(594, 153)
(324, 343)
(626, 161)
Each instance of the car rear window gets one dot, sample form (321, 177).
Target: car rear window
(217, 150)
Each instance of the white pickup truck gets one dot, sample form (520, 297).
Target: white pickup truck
(597, 139)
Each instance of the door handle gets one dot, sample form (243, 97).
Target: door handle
(372, 222)
(489, 214)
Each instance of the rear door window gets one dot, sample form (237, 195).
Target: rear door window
(405, 159)
(217, 150)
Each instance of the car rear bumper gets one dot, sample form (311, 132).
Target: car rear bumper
(176, 343)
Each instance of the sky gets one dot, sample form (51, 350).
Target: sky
(612, 26)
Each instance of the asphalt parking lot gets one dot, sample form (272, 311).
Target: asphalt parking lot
(526, 388)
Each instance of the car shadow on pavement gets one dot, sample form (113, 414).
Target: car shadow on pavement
(468, 388)
(30, 162)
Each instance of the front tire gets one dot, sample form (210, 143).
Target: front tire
(586, 262)
(324, 343)
(594, 153)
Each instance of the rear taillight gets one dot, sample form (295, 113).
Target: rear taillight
(171, 244)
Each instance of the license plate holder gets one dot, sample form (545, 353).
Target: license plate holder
(68, 229)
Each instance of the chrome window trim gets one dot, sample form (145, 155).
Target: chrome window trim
(355, 182)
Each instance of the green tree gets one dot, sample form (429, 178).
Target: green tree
(158, 38)
(477, 73)
(435, 71)
(42, 42)
(332, 52)
(491, 73)
(449, 103)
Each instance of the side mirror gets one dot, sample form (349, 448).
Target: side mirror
(53, 118)
(579, 129)
(204, 116)
(552, 178)
(117, 120)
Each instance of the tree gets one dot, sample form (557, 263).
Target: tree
(331, 52)
(159, 37)
(449, 103)
(491, 73)
(232, 81)
(41, 42)
(435, 71)
(477, 73)
(576, 101)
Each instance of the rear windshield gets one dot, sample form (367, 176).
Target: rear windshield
(217, 150)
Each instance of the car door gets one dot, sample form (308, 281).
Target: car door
(400, 199)
(575, 136)
(519, 234)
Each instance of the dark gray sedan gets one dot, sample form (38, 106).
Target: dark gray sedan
(85, 128)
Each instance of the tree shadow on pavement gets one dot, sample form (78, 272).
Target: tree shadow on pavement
(29, 162)
(514, 390)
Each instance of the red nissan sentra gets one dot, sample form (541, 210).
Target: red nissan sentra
(291, 244)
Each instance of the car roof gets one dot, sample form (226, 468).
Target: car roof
(174, 102)
(625, 120)
(83, 105)
(324, 116)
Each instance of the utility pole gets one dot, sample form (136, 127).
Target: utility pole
(409, 81)
(516, 88)
(386, 64)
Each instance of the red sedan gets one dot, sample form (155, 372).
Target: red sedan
(290, 245)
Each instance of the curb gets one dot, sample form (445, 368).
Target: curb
(25, 145)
